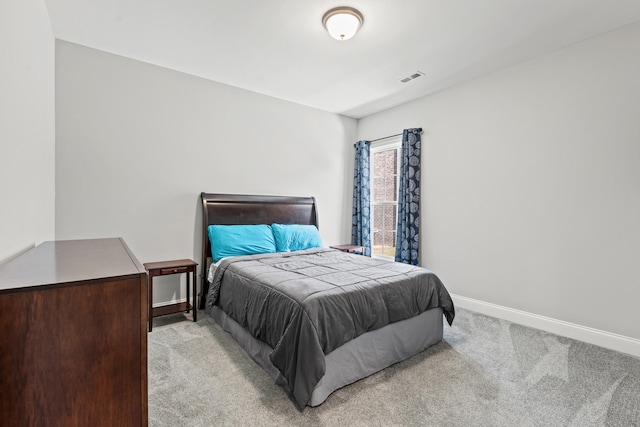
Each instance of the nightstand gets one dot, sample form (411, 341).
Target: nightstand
(165, 268)
(352, 249)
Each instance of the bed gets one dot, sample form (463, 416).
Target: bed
(315, 319)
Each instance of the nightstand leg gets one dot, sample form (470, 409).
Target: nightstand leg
(193, 283)
(150, 302)
(188, 288)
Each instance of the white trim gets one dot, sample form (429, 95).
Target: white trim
(598, 337)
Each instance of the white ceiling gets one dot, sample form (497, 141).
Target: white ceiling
(280, 48)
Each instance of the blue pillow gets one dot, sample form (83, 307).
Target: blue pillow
(233, 240)
(295, 237)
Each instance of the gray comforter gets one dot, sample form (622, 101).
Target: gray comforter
(305, 304)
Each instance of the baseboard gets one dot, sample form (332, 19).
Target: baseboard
(559, 327)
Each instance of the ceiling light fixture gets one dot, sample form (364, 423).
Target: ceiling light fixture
(342, 22)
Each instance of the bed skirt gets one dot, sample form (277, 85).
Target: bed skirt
(354, 360)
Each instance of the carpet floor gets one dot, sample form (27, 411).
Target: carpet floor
(486, 372)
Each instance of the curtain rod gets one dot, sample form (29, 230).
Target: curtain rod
(390, 136)
(386, 137)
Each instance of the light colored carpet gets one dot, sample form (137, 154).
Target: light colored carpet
(486, 372)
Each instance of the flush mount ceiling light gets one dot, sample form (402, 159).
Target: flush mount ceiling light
(342, 22)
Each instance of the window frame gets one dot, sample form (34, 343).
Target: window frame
(394, 143)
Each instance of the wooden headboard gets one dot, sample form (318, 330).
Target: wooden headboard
(232, 209)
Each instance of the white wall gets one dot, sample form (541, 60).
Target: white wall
(26, 127)
(531, 183)
(136, 144)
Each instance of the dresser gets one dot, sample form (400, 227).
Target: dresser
(73, 340)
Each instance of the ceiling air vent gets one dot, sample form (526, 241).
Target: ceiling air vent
(412, 77)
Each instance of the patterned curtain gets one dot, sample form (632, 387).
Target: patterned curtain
(408, 231)
(360, 228)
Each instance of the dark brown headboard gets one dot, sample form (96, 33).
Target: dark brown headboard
(232, 209)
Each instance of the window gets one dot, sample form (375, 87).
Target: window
(384, 199)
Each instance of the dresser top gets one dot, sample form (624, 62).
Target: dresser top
(66, 261)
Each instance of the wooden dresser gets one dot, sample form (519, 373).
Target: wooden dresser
(73, 336)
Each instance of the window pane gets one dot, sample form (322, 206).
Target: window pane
(389, 217)
(377, 218)
(378, 238)
(378, 164)
(389, 229)
(390, 189)
(390, 162)
(384, 195)
(377, 191)
(377, 243)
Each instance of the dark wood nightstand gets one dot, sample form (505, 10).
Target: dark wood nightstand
(352, 249)
(165, 268)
